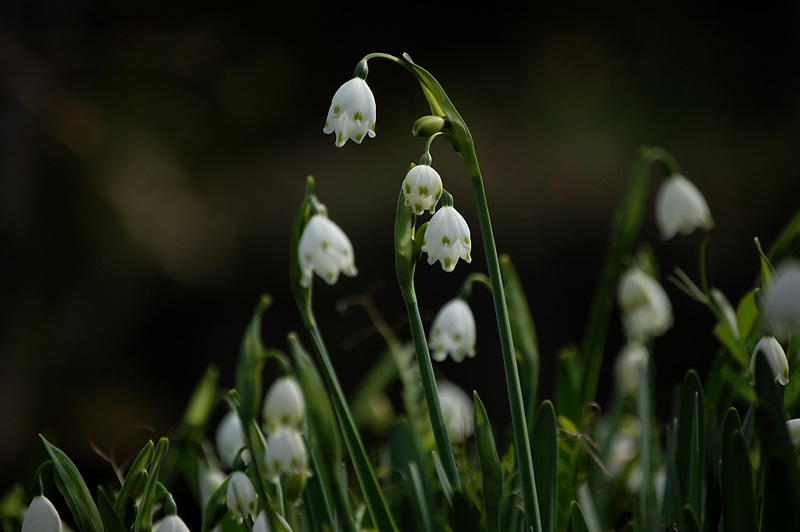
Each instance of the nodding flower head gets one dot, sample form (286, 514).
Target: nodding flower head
(453, 332)
(352, 112)
(681, 208)
(325, 249)
(286, 453)
(284, 405)
(457, 411)
(242, 498)
(781, 302)
(646, 310)
(447, 239)
(422, 188)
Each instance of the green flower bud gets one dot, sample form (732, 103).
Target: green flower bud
(427, 125)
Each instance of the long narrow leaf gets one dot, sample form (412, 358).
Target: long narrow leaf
(111, 521)
(490, 466)
(544, 446)
(134, 480)
(736, 483)
(144, 512)
(73, 488)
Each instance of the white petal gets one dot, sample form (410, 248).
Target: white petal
(776, 357)
(782, 300)
(680, 207)
(457, 411)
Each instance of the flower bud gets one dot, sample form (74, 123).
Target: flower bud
(776, 357)
(427, 125)
(41, 516)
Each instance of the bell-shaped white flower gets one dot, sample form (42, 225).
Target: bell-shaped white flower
(781, 302)
(172, 523)
(628, 367)
(646, 310)
(453, 332)
(776, 357)
(680, 207)
(242, 498)
(230, 439)
(793, 426)
(41, 516)
(352, 112)
(284, 404)
(447, 238)
(325, 249)
(286, 453)
(457, 411)
(422, 188)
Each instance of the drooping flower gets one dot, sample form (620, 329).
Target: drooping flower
(286, 453)
(453, 332)
(793, 426)
(230, 439)
(352, 112)
(242, 498)
(284, 404)
(680, 207)
(781, 301)
(447, 239)
(422, 188)
(646, 310)
(457, 410)
(172, 523)
(41, 516)
(325, 249)
(776, 357)
(628, 366)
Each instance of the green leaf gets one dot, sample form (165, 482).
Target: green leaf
(144, 511)
(201, 406)
(691, 443)
(523, 331)
(492, 474)
(569, 369)
(251, 361)
(216, 508)
(780, 510)
(417, 490)
(111, 521)
(747, 319)
(447, 489)
(690, 520)
(321, 419)
(316, 500)
(134, 481)
(788, 243)
(736, 481)
(578, 521)
(544, 447)
(71, 485)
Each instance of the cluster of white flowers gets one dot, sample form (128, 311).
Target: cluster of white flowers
(283, 411)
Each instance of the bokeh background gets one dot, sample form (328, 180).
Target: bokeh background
(153, 155)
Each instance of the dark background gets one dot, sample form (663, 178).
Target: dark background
(153, 155)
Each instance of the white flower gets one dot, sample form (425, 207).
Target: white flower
(422, 188)
(325, 249)
(230, 439)
(453, 332)
(41, 516)
(242, 498)
(680, 207)
(172, 523)
(628, 367)
(793, 426)
(284, 404)
(447, 239)
(775, 356)
(782, 300)
(646, 310)
(352, 112)
(457, 411)
(286, 453)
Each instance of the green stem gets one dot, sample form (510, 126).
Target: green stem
(519, 424)
(373, 497)
(429, 386)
